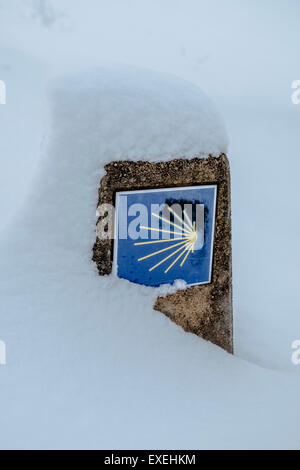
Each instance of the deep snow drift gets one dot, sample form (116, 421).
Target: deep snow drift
(139, 114)
(90, 363)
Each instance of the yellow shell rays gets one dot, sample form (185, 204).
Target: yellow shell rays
(176, 259)
(170, 223)
(183, 244)
(169, 256)
(180, 219)
(160, 251)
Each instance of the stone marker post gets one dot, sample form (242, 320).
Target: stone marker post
(203, 308)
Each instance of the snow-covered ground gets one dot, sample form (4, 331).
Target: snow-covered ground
(89, 363)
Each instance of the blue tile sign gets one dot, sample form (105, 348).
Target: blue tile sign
(162, 235)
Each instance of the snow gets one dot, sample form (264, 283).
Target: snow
(155, 117)
(90, 364)
(164, 289)
(25, 79)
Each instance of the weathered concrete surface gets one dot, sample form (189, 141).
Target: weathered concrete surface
(205, 310)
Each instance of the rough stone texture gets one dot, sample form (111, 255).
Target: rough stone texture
(205, 310)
